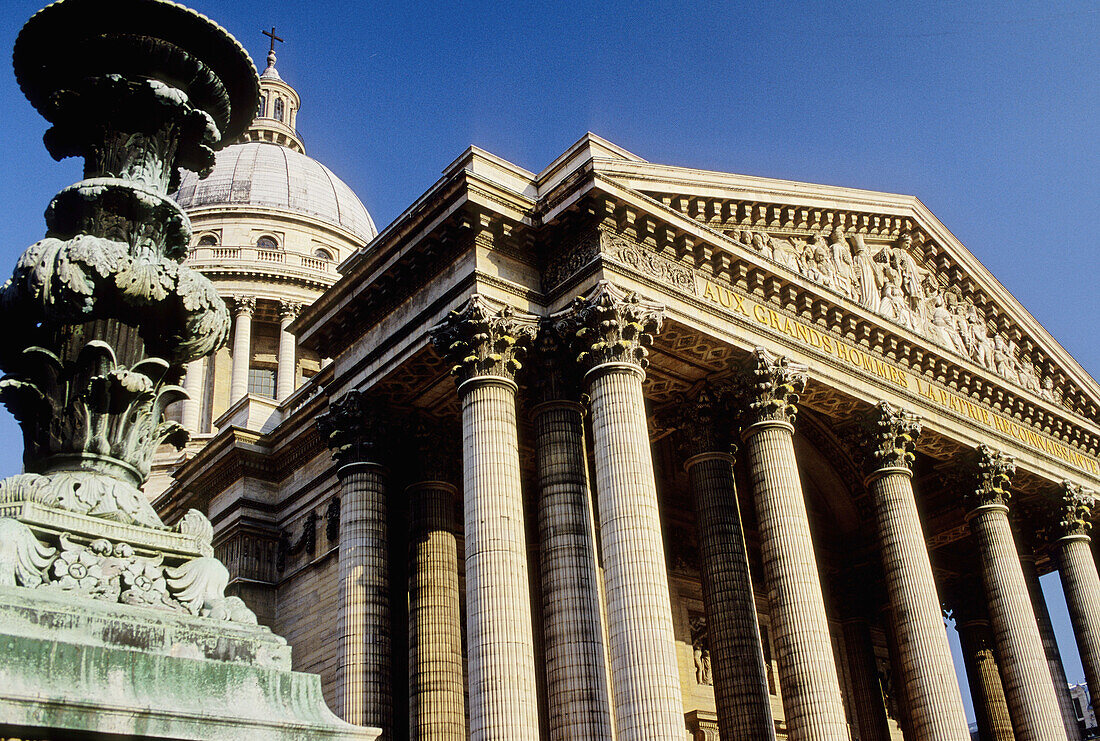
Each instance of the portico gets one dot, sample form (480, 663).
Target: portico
(603, 333)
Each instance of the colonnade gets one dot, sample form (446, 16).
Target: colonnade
(244, 309)
(620, 675)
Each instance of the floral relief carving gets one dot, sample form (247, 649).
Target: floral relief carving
(771, 386)
(610, 326)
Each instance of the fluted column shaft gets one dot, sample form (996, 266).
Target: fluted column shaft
(573, 635)
(437, 704)
(984, 677)
(807, 671)
(733, 630)
(193, 385)
(363, 615)
(935, 705)
(867, 704)
(501, 652)
(1082, 589)
(242, 349)
(1050, 644)
(287, 367)
(644, 672)
(1032, 702)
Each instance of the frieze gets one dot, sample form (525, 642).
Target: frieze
(635, 256)
(864, 361)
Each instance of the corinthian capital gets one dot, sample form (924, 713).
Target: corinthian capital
(704, 422)
(244, 305)
(890, 435)
(990, 480)
(353, 428)
(480, 340)
(610, 326)
(289, 310)
(771, 387)
(1075, 510)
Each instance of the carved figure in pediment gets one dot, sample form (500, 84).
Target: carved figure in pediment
(980, 343)
(893, 305)
(762, 244)
(815, 258)
(867, 274)
(1004, 359)
(900, 269)
(787, 253)
(845, 277)
(1047, 389)
(1029, 379)
(941, 325)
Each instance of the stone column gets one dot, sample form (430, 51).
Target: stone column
(740, 678)
(437, 703)
(982, 672)
(192, 405)
(243, 309)
(354, 430)
(610, 331)
(573, 639)
(1080, 581)
(1026, 543)
(287, 368)
(924, 657)
(483, 344)
(860, 602)
(807, 671)
(1032, 702)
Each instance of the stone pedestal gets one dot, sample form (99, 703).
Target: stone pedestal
(1024, 670)
(610, 331)
(573, 635)
(812, 702)
(924, 658)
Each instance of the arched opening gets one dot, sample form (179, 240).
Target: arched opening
(267, 242)
(278, 115)
(323, 254)
(208, 240)
(263, 106)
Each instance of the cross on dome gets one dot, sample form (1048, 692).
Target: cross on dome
(271, 71)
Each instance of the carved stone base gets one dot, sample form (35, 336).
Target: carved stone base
(78, 668)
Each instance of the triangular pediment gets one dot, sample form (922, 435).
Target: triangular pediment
(884, 253)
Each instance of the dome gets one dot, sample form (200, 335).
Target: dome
(268, 175)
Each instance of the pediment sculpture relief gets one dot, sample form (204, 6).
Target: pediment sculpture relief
(889, 281)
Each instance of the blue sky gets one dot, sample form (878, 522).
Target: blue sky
(986, 111)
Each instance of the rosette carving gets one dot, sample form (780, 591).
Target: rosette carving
(610, 326)
(771, 386)
(890, 437)
(481, 340)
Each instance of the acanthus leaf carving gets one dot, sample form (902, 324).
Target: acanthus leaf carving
(610, 325)
(890, 436)
(771, 386)
(480, 339)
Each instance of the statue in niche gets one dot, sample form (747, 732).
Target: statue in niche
(867, 274)
(886, 688)
(845, 276)
(700, 650)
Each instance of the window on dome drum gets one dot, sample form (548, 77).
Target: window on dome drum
(208, 240)
(267, 243)
(278, 109)
(261, 382)
(322, 254)
(263, 106)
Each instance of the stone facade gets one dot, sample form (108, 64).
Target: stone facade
(589, 554)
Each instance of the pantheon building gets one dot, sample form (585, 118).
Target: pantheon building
(622, 450)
